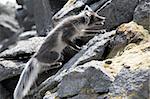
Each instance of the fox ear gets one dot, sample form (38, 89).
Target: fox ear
(88, 8)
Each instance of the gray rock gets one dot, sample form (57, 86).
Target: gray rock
(10, 69)
(5, 44)
(27, 35)
(25, 15)
(23, 48)
(142, 14)
(29, 6)
(25, 20)
(83, 96)
(118, 12)
(132, 79)
(8, 25)
(131, 84)
(87, 78)
(93, 50)
(7, 9)
(4, 94)
(43, 15)
(37, 13)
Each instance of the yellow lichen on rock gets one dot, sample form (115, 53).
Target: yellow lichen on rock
(50, 95)
(133, 30)
(137, 57)
(127, 36)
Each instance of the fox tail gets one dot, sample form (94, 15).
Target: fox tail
(27, 78)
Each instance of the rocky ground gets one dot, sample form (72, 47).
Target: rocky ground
(111, 65)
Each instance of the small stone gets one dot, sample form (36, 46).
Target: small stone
(108, 62)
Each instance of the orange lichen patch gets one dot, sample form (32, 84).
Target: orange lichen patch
(133, 30)
(135, 58)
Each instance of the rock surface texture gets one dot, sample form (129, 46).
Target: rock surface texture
(113, 64)
(8, 24)
(142, 14)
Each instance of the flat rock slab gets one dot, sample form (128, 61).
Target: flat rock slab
(142, 14)
(132, 73)
(87, 78)
(9, 69)
(10, 61)
(8, 25)
(131, 84)
(118, 12)
(4, 94)
(23, 48)
(27, 35)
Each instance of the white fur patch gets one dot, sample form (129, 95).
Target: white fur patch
(26, 81)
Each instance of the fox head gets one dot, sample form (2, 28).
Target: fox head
(92, 18)
(89, 15)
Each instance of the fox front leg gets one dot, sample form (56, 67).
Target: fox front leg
(93, 31)
(69, 35)
(88, 32)
(73, 45)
